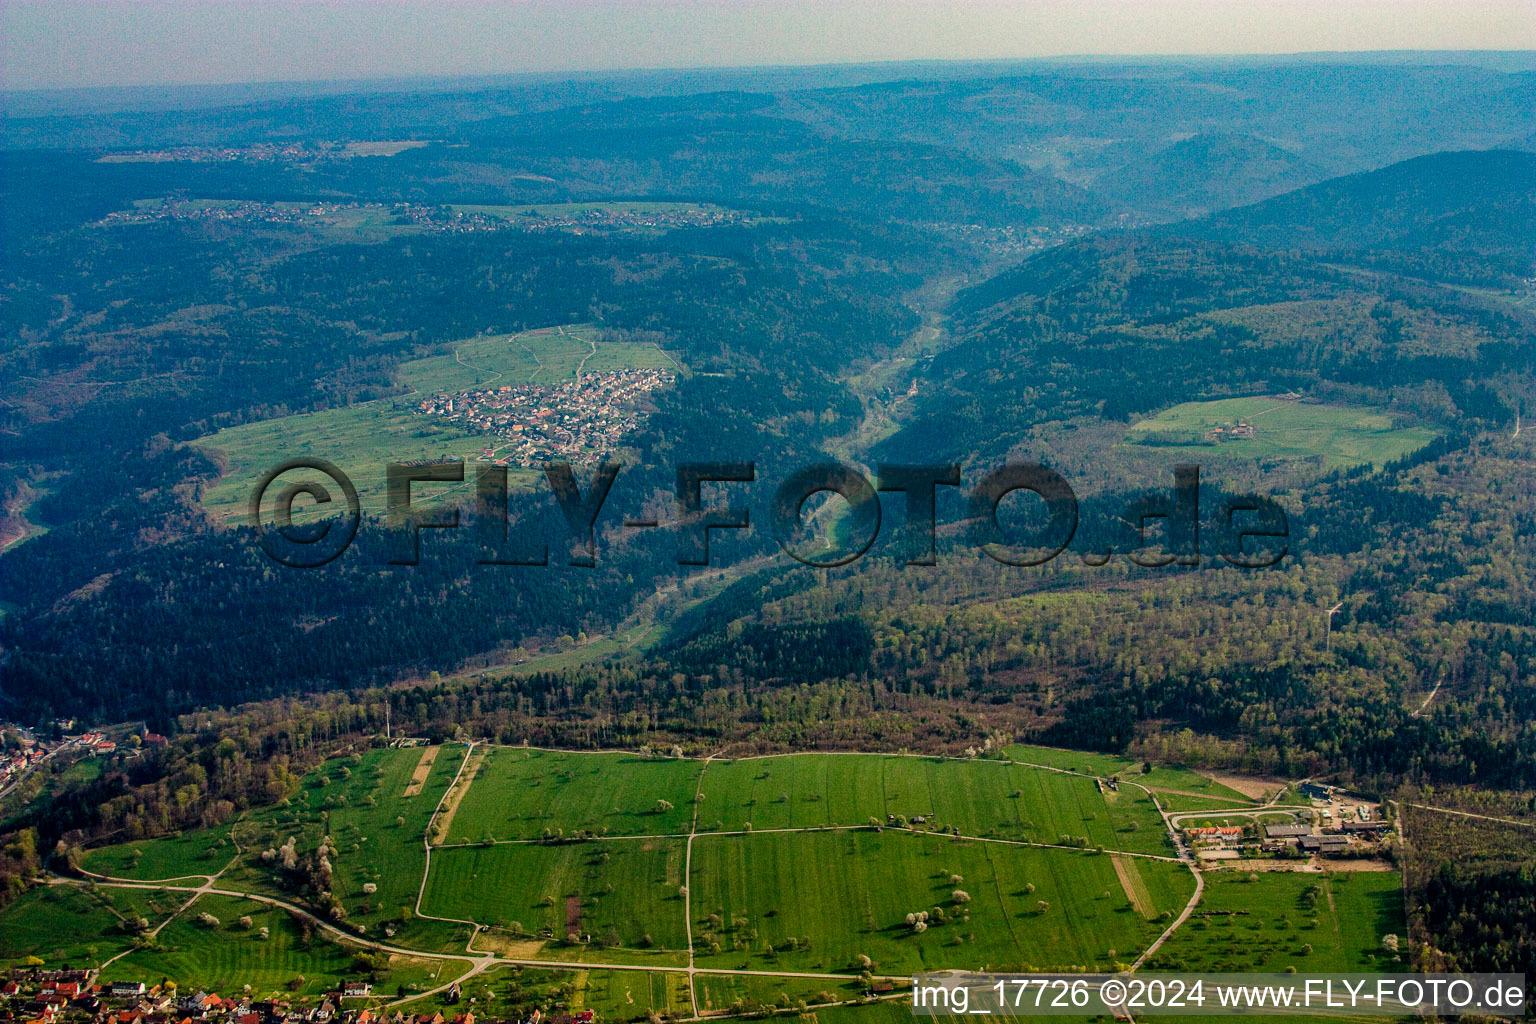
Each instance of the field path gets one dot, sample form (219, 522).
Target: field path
(495, 374)
(589, 355)
(426, 841)
(455, 795)
(1194, 900)
(537, 362)
(1476, 817)
(693, 830)
(423, 769)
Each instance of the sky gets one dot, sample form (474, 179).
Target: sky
(83, 43)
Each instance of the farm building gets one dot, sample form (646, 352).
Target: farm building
(1326, 845)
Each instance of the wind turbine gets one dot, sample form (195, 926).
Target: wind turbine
(1331, 612)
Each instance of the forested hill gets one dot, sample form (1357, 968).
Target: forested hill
(1447, 206)
(1208, 171)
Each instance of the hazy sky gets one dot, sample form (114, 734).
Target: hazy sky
(60, 43)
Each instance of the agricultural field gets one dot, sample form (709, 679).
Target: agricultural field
(361, 439)
(747, 992)
(521, 794)
(621, 893)
(202, 852)
(583, 858)
(512, 992)
(982, 798)
(1264, 922)
(1341, 436)
(375, 808)
(78, 925)
(1179, 803)
(795, 902)
(274, 954)
(1160, 776)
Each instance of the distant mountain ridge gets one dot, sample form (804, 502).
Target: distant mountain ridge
(1479, 204)
(1208, 171)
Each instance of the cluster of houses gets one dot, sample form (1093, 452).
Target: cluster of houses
(1352, 831)
(1242, 430)
(583, 220)
(578, 220)
(1349, 838)
(37, 995)
(579, 420)
(17, 762)
(23, 750)
(256, 152)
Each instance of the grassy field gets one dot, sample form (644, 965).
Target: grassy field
(1176, 803)
(981, 798)
(376, 829)
(808, 898)
(201, 852)
(1162, 776)
(77, 925)
(360, 802)
(362, 438)
(512, 993)
(815, 901)
(1343, 436)
(1264, 922)
(745, 993)
(621, 893)
(227, 956)
(519, 793)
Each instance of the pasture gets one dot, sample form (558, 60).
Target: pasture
(817, 901)
(744, 993)
(376, 830)
(519, 794)
(513, 993)
(981, 798)
(80, 926)
(1342, 436)
(621, 893)
(225, 955)
(1272, 920)
(169, 858)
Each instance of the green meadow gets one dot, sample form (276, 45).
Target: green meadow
(1342, 436)
(787, 875)
(375, 828)
(175, 858)
(621, 893)
(361, 439)
(275, 955)
(512, 992)
(817, 901)
(746, 993)
(1270, 921)
(78, 925)
(519, 794)
(981, 798)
